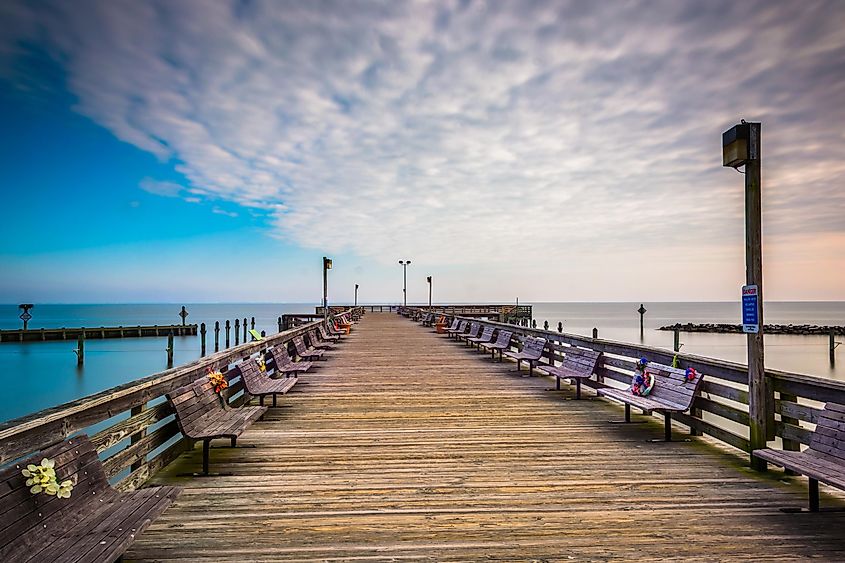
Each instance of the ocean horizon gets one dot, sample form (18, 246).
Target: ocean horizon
(44, 374)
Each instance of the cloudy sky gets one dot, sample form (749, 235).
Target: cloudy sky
(554, 151)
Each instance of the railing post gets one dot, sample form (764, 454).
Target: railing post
(280, 324)
(545, 325)
(202, 340)
(245, 329)
(138, 436)
(560, 327)
(595, 333)
(216, 336)
(237, 331)
(228, 326)
(252, 323)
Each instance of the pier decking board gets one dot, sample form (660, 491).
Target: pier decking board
(407, 445)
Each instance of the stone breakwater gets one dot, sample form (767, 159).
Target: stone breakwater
(768, 329)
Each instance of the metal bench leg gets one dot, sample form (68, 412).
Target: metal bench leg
(274, 399)
(557, 384)
(667, 426)
(814, 495)
(261, 400)
(530, 368)
(627, 412)
(206, 444)
(234, 441)
(577, 388)
(627, 417)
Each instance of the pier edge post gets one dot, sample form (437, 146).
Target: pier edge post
(202, 340)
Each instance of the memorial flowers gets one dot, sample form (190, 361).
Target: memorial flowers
(42, 479)
(218, 381)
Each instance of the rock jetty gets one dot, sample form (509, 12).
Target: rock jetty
(768, 329)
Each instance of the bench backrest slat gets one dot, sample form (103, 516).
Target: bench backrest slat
(281, 357)
(580, 359)
(533, 347)
(504, 337)
(487, 333)
(474, 330)
(671, 385)
(251, 375)
(192, 402)
(829, 437)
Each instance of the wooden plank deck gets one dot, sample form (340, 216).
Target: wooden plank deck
(406, 445)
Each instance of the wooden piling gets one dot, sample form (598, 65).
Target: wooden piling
(252, 323)
(560, 327)
(202, 340)
(545, 325)
(245, 330)
(595, 332)
(832, 346)
(216, 336)
(237, 331)
(80, 348)
(642, 311)
(170, 350)
(228, 327)
(676, 344)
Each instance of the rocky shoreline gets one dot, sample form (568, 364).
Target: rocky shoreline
(725, 328)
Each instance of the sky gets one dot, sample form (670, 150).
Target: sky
(186, 151)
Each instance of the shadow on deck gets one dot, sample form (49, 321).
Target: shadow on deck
(405, 445)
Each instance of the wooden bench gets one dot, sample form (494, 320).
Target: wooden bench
(823, 460)
(486, 336)
(317, 342)
(282, 362)
(260, 384)
(577, 364)
(462, 327)
(532, 350)
(474, 331)
(671, 393)
(503, 342)
(453, 326)
(201, 415)
(427, 319)
(327, 336)
(97, 523)
(304, 351)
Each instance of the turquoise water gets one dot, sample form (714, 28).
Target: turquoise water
(37, 375)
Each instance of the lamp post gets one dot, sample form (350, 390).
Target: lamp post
(404, 264)
(356, 294)
(741, 146)
(327, 265)
(428, 279)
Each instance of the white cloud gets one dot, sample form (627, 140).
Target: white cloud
(167, 189)
(461, 132)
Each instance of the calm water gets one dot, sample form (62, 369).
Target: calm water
(37, 375)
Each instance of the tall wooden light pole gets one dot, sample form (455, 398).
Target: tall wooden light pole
(356, 294)
(327, 265)
(404, 264)
(741, 146)
(429, 292)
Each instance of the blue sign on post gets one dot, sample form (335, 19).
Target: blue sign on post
(750, 309)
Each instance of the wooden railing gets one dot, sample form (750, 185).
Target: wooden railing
(721, 410)
(132, 425)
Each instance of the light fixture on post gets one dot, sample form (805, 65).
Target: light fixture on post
(404, 264)
(327, 265)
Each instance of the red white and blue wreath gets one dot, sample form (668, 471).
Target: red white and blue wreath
(643, 381)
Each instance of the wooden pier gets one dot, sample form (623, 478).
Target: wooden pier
(407, 445)
(44, 334)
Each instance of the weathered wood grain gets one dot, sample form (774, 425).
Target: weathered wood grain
(406, 446)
